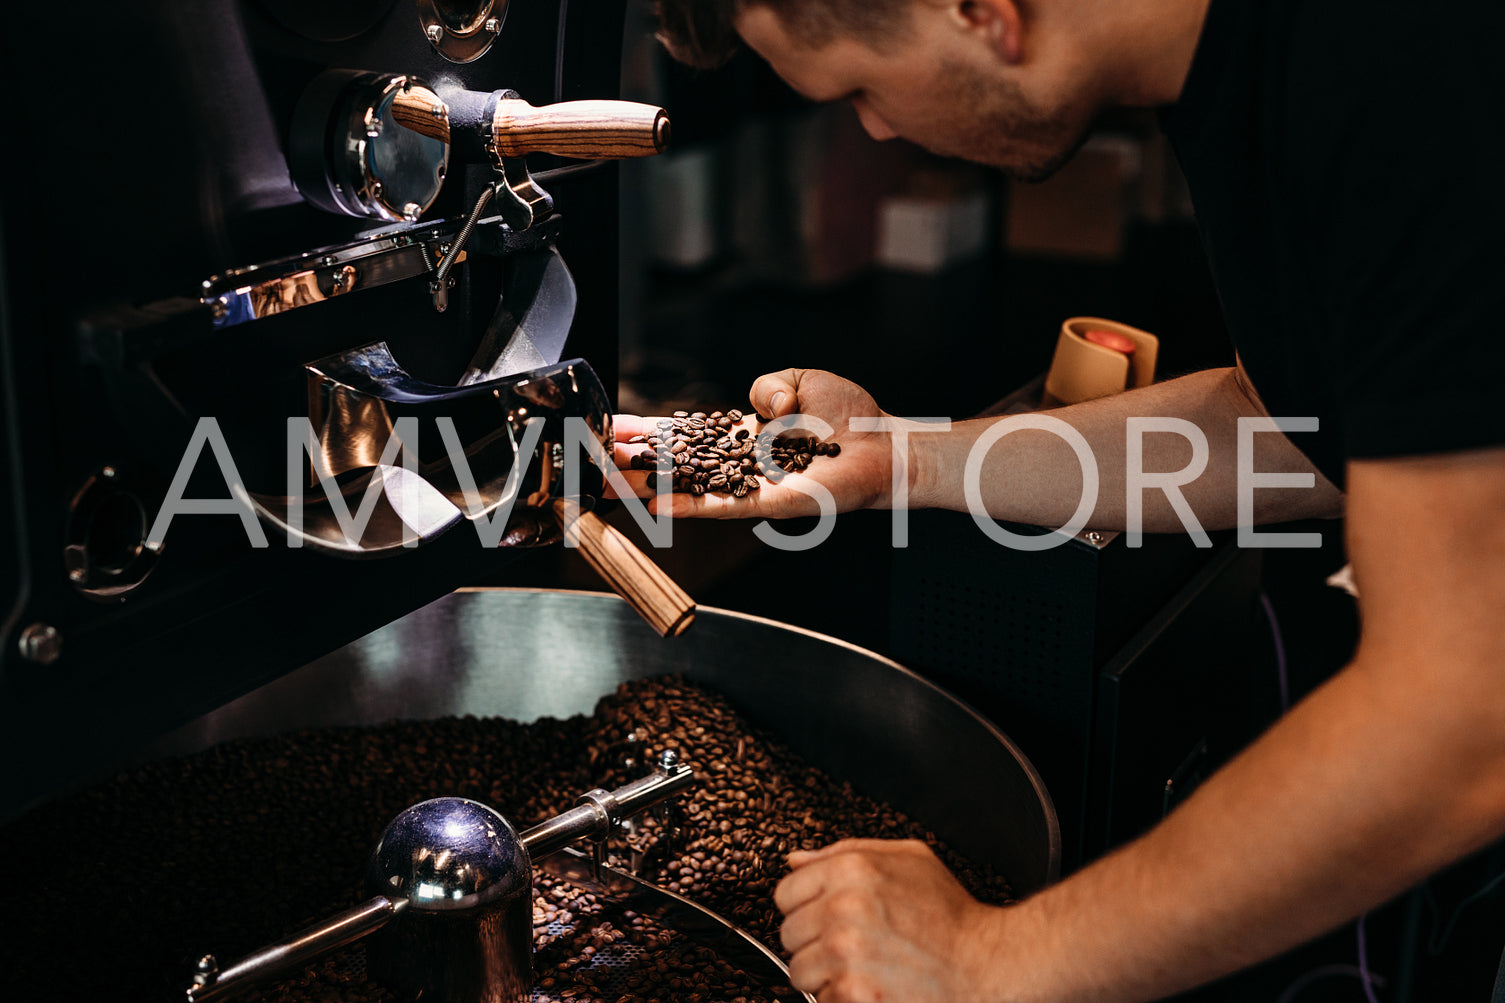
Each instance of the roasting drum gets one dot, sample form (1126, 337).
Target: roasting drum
(526, 654)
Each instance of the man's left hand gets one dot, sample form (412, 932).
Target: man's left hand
(870, 920)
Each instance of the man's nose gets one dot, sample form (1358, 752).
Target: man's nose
(872, 121)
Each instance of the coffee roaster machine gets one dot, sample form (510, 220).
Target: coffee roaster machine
(353, 215)
(333, 285)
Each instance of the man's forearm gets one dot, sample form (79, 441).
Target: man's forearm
(1036, 477)
(1349, 800)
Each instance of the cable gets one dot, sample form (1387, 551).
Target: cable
(1280, 652)
(1297, 987)
(1361, 971)
(1439, 939)
(1364, 974)
(559, 36)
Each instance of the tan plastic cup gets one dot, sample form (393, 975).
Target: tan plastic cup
(1083, 370)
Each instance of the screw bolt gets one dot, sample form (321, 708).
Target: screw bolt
(1094, 538)
(494, 25)
(206, 970)
(435, 33)
(41, 643)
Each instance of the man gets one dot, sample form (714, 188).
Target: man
(1343, 157)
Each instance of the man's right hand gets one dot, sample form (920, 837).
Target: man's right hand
(861, 476)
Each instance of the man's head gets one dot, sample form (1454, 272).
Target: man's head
(1012, 83)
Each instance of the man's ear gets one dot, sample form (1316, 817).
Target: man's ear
(998, 23)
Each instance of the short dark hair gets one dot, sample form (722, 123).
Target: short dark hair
(702, 33)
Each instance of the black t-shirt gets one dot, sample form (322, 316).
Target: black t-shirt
(1346, 159)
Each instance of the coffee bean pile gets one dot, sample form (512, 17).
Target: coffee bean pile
(123, 886)
(718, 453)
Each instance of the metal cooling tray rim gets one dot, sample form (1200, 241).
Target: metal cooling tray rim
(681, 914)
(846, 709)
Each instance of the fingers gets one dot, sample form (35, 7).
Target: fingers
(811, 969)
(897, 847)
(776, 394)
(627, 426)
(799, 888)
(636, 481)
(832, 878)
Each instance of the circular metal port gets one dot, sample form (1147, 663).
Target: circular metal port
(370, 144)
(107, 556)
(462, 30)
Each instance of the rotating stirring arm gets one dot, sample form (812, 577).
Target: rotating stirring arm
(598, 813)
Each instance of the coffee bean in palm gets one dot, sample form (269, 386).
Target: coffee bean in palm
(706, 452)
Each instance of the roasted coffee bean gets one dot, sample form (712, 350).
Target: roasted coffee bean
(279, 826)
(707, 452)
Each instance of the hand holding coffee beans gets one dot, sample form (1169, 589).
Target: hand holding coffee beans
(722, 452)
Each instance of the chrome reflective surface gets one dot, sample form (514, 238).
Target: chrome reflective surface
(531, 323)
(466, 935)
(599, 811)
(527, 654)
(470, 452)
(370, 144)
(274, 961)
(449, 855)
(462, 30)
(463, 860)
(273, 287)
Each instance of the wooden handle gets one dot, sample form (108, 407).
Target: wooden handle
(627, 570)
(414, 109)
(585, 130)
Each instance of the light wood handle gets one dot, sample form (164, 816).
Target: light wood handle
(414, 109)
(584, 130)
(629, 572)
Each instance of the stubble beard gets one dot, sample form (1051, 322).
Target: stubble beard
(1005, 129)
